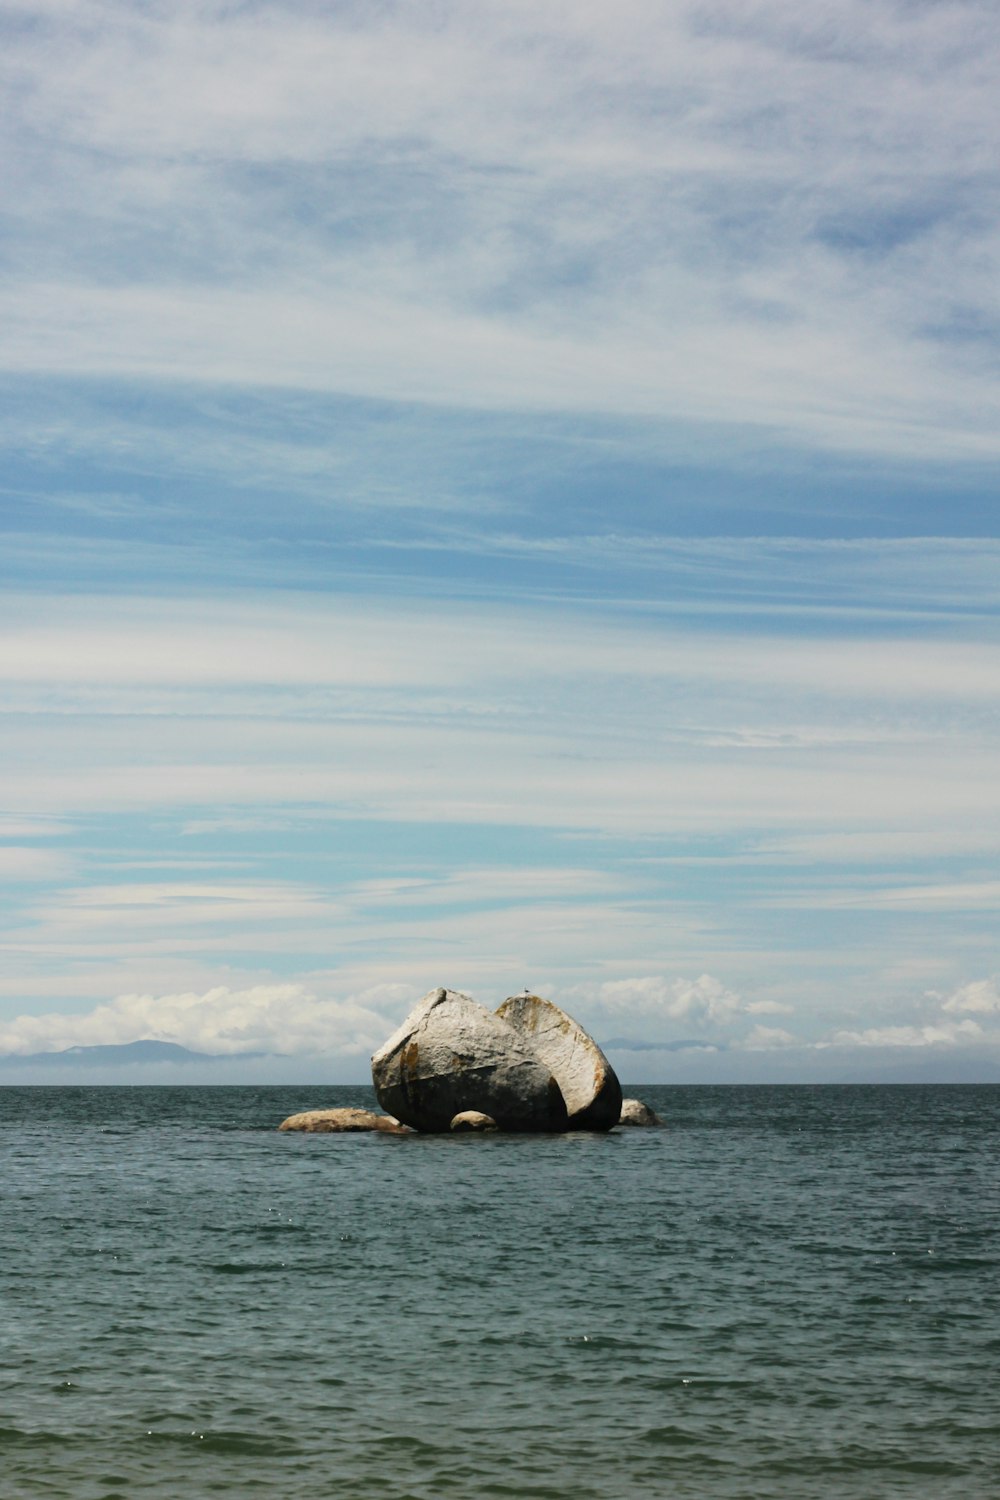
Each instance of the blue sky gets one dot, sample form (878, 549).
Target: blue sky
(503, 494)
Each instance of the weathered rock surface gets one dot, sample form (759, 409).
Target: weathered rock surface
(473, 1119)
(318, 1121)
(452, 1055)
(586, 1079)
(634, 1112)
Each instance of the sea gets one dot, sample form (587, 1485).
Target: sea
(786, 1292)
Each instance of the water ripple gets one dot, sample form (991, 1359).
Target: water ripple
(790, 1294)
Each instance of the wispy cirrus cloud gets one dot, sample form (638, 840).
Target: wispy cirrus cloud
(535, 208)
(25, 863)
(424, 712)
(981, 895)
(291, 642)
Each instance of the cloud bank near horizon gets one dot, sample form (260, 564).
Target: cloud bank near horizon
(292, 1023)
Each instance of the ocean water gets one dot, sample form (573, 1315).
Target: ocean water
(789, 1292)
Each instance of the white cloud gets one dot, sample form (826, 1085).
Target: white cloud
(767, 1039)
(702, 1001)
(280, 1018)
(982, 997)
(935, 1034)
(294, 1019)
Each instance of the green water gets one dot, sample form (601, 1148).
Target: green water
(790, 1292)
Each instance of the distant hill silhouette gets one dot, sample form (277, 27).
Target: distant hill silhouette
(125, 1054)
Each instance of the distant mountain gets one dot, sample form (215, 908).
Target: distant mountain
(124, 1055)
(625, 1044)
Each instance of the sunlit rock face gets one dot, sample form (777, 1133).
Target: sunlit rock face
(451, 1055)
(586, 1079)
(337, 1121)
(634, 1112)
(472, 1120)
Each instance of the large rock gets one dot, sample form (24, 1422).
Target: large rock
(317, 1121)
(586, 1079)
(452, 1055)
(634, 1112)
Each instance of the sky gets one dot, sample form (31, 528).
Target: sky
(501, 495)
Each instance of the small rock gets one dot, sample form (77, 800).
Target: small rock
(473, 1119)
(321, 1121)
(634, 1112)
(451, 1055)
(587, 1080)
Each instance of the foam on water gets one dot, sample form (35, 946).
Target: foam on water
(787, 1293)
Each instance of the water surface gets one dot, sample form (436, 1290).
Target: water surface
(790, 1292)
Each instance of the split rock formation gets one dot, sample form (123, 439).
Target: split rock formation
(528, 1066)
(451, 1055)
(586, 1079)
(454, 1065)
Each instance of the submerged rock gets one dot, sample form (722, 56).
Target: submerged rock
(318, 1121)
(634, 1112)
(451, 1055)
(586, 1079)
(473, 1119)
